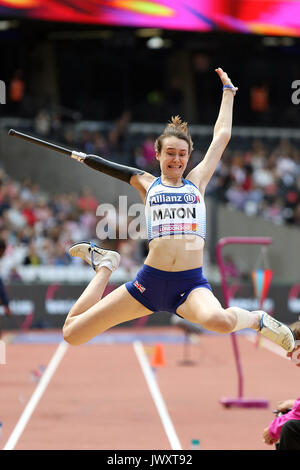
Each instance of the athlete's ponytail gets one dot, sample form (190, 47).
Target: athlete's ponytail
(175, 128)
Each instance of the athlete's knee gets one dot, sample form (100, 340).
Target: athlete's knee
(69, 328)
(69, 333)
(220, 321)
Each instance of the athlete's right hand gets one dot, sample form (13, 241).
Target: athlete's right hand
(224, 78)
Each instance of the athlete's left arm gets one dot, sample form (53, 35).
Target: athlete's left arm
(202, 173)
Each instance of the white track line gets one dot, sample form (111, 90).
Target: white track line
(156, 395)
(36, 396)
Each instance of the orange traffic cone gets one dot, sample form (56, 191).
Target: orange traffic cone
(158, 358)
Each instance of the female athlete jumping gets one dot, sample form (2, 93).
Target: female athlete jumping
(171, 278)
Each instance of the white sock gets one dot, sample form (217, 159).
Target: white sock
(110, 261)
(243, 320)
(107, 264)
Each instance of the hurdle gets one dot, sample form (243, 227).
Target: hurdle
(240, 400)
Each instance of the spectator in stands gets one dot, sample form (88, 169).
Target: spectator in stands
(87, 141)
(32, 258)
(27, 210)
(87, 202)
(274, 211)
(149, 152)
(257, 154)
(61, 257)
(38, 227)
(101, 146)
(259, 180)
(42, 123)
(117, 133)
(16, 91)
(284, 430)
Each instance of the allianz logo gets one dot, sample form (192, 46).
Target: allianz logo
(171, 198)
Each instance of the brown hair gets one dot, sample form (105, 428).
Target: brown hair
(175, 128)
(295, 327)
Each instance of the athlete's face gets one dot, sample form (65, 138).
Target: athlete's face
(173, 157)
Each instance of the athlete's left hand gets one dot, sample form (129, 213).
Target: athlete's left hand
(224, 78)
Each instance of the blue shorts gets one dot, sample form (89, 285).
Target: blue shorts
(164, 291)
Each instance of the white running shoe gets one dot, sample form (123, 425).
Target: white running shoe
(277, 332)
(96, 256)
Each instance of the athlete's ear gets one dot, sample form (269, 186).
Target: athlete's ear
(157, 155)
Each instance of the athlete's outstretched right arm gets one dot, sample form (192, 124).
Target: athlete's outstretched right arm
(139, 179)
(121, 172)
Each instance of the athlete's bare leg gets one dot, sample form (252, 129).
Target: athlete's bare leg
(91, 314)
(201, 306)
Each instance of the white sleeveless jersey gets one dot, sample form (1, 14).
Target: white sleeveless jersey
(175, 210)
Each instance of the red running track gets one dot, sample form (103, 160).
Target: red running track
(98, 398)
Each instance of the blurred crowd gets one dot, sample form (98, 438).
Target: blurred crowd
(113, 142)
(259, 176)
(38, 228)
(261, 181)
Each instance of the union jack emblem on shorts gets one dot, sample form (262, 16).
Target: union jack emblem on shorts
(139, 286)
